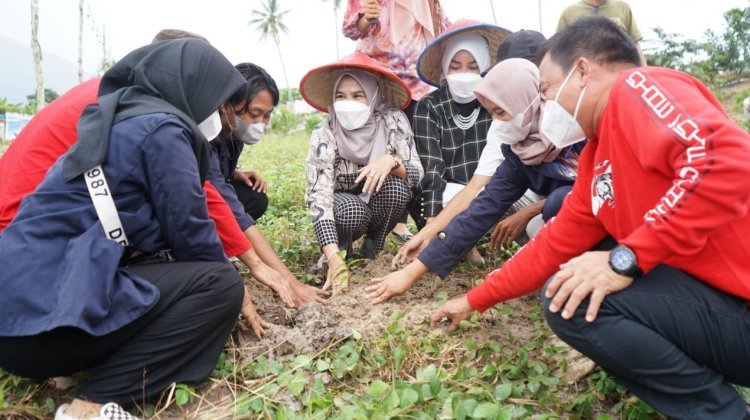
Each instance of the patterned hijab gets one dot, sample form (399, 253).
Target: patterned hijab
(367, 143)
(406, 13)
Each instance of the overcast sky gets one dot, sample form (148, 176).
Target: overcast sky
(310, 42)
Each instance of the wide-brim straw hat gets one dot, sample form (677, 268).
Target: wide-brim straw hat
(316, 86)
(430, 63)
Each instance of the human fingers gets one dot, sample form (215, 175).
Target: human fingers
(362, 174)
(595, 302)
(381, 181)
(496, 235)
(576, 296)
(245, 179)
(384, 296)
(563, 293)
(557, 280)
(437, 316)
(374, 284)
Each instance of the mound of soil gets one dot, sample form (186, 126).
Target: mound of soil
(314, 326)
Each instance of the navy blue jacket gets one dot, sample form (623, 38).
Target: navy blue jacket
(59, 269)
(509, 183)
(224, 156)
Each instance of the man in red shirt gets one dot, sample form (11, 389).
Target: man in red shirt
(663, 179)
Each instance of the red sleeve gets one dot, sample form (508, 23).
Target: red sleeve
(574, 231)
(232, 238)
(692, 141)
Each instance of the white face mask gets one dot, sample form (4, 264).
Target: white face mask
(211, 126)
(249, 134)
(462, 85)
(351, 114)
(557, 125)
(511, 131)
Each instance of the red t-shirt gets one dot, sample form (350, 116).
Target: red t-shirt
(50, 134)
(667, 175)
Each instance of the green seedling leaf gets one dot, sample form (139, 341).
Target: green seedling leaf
(377, 389)
(486, 411)
(408, 397)
(426, 373)
(297, 384)
(503, 391)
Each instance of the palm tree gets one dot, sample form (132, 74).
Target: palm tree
(336, 6)
(270, 22)
(37, 51)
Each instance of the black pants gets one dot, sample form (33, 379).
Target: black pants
(375, 219)
(179, 340)
(674, 341)
(255, 203)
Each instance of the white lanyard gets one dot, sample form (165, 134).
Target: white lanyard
(101, 196)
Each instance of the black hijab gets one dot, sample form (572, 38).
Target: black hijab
(186, 77)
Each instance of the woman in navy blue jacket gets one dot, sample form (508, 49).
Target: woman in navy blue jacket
(153, 301)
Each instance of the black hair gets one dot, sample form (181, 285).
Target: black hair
(258, 80)
(597, 38)
(521, 44)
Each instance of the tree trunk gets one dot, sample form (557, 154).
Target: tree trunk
(283, 70)
(37, 51)
(80, 41)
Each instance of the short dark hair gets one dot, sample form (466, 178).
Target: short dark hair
(521, 44)
(596, 38)
(258, 80)
(167, 34)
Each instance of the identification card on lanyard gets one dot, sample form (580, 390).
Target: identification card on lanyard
(105, 207)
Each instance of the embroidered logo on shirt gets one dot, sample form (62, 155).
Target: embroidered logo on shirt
(602, 189)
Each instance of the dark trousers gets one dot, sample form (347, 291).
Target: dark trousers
(674, 341)
(255, 203)
(375, 219)
(554, 201)
(179, 340)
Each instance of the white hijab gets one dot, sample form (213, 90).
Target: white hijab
(474, 44)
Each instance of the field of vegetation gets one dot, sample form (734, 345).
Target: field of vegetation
(351, 360)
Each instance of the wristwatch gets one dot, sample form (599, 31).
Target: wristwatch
(623, 261)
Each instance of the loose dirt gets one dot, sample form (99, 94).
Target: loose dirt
(315, 326)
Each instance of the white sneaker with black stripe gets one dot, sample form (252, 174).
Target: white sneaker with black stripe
(110, 411)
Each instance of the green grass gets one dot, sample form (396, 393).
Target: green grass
(404, 373)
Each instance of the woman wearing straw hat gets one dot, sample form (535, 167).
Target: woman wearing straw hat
(362, 162)
(394, 32)
(450, 126)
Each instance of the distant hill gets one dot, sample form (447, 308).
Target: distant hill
(17, 71)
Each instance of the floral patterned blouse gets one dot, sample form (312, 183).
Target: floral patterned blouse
(400, 59)
(327, 172)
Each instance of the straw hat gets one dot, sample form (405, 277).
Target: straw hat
(429, 65)
(316, 86)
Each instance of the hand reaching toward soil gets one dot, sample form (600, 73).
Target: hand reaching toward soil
(456, 310)
(338, 274)
(250, 315)
(394, 284)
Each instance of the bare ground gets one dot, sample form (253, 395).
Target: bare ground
(314, 327)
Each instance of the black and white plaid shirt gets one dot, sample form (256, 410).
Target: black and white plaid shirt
(448, 153)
